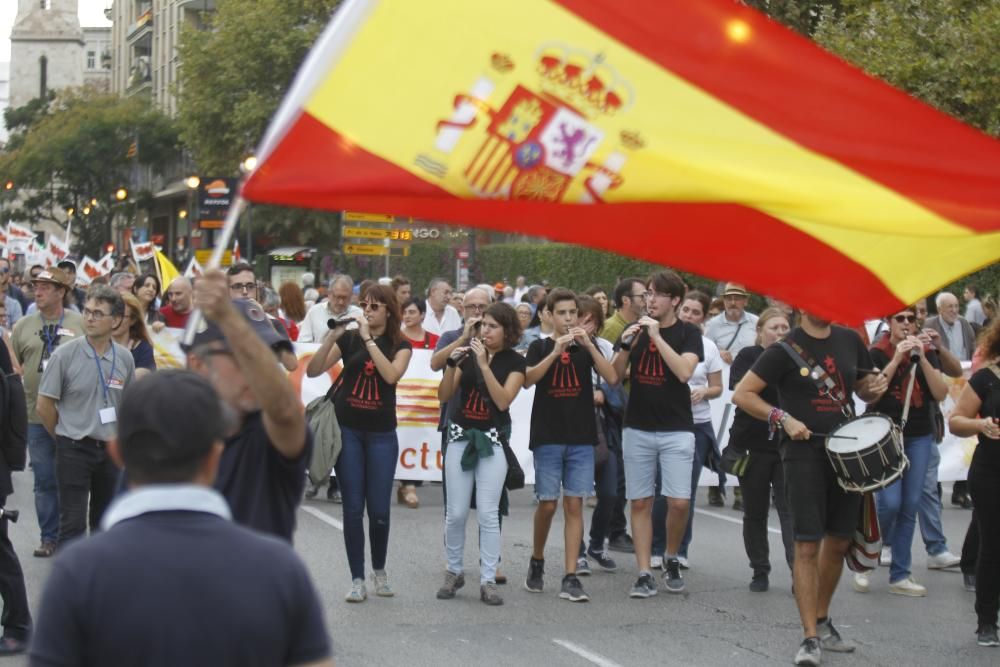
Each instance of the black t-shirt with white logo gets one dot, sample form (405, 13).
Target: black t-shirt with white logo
(563, 409)
(472, 411)
(363, 399)
(918, 421)
(657, 400)
(841, 354)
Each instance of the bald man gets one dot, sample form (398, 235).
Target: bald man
(177, 311)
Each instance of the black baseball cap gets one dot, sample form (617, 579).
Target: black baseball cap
(170, 417)
(254, 314)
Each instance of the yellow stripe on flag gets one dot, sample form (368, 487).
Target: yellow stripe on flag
(694, 148)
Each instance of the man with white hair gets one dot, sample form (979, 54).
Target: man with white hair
(441, 316)
(956, 332)
(337, 306)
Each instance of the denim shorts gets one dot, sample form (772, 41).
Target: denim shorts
(565, 468)
(642, 449)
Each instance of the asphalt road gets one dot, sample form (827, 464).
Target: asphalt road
(717, 622)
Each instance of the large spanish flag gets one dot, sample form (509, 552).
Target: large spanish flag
(697, 134)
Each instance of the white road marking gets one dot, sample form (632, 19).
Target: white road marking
(730, 519)
(323, 516)
(588, 655)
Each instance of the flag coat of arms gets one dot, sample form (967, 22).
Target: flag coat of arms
(700, 135)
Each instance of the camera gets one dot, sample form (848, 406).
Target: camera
(334, 322)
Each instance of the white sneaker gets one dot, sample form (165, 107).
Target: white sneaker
(908, 587)
(943, 560)
(656, 562)
(885, 560)
(861, 582)
(685, 564)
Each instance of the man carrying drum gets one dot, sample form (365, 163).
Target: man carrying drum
(914, 374)
(815, 398)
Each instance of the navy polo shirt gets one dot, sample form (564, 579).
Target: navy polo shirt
(179, 587)
(262, 486)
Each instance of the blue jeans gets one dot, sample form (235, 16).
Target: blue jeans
(704, 445)
(898, 503)
(929, 512)
(487, 478)
(42, 449)
(366, 468)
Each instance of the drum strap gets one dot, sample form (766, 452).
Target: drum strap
(825, 384)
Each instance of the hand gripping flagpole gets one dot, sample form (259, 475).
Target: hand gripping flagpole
(221, 243)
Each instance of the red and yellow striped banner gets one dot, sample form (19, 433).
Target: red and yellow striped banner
(696, 134)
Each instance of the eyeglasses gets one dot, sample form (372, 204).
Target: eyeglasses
(371, 305)
(653, 295)
(478, 307)
(243, 287)
(89, 314)
(905, 318)
(640, 295)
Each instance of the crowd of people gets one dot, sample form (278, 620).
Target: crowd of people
(623, 379)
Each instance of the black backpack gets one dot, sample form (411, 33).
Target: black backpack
(14, 425)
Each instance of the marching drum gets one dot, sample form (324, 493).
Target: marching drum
(866, 453)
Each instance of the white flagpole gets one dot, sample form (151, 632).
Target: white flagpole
(221, 244)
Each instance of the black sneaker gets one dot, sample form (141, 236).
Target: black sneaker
(582, 567)
(536, 572)
(759, 583)
(987, 635)
(644, 586)
(831, 640)
(672, 579)
(603, 560)
(621, 542)
(572, 590)
(969, 582)
(738, 499)
(715, 497)
(809, 652)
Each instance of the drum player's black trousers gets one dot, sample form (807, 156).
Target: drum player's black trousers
(984, 484)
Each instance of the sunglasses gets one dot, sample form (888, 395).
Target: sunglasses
(905, 318)
(371, 305)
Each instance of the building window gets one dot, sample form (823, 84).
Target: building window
(43, 76)
(91, 59)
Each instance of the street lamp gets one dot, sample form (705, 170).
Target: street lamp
(249, 164)
(121, 194)
(192, 182)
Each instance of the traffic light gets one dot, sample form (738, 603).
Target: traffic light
(9, 185)
(121, 194)
(108, 248)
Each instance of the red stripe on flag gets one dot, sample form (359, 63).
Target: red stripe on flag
(316, 167)
(785, 81)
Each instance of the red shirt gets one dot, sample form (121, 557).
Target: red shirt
(173, 319)
(428, 343)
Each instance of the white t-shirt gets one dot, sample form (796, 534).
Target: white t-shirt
(451, 320)
(702, 411)
(314, 327)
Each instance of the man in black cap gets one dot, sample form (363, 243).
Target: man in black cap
(263, 468)
(171, 580)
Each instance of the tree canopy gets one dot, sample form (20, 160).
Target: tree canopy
(72, 150)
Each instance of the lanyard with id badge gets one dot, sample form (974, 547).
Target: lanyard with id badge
(107, 413)
(50, 341)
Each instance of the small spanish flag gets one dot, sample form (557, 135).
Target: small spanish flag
(701, 135)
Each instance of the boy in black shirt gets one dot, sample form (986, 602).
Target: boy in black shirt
(563, 433)
(661, 353)
(824, 516)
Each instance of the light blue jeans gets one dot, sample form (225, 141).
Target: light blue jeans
(487, 477)
(930, 508)
(897, 505)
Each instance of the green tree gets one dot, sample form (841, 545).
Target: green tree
(73, 151)
(233, 78)
(800, 15)
(943, 52)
